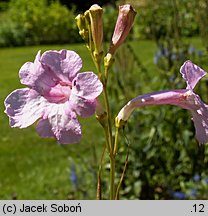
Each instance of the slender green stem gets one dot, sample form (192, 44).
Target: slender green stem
(97, 65)
(122, 176)
(111, 147)
(108, 135)
(112, 177)
(106, 74)
(109, 126)
(107, 139)
(111, 144)
(108, 132)
(116, 142)
(112, 165)
(99, 189)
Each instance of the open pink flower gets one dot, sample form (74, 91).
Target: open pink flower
(56, 94)
(184, 98)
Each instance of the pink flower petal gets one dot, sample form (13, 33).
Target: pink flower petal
(72, 135)
(83, 107)
(24, 107)
(191, 73)
(200, 120)
(65, 64)
(87, 85)
(36, 76)
(64, 123)
(26, 72)
(44, 129)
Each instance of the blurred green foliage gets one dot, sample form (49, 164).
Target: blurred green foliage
(109, 21)
(158, 18)
(202, 16)
(43, 22)
(40, 22)
(36, 22)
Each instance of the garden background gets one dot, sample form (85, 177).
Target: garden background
(165, 160)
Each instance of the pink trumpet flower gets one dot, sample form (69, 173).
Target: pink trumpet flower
(55, 95)
(184, 98)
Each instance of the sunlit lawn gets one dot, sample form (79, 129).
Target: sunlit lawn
(36, 168)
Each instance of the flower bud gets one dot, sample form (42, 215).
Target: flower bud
(99, 108)
(108, 60)
(101, 114)
(87, 17)
(81, 24)
(90, 44)
(96, 22)
(123, 26)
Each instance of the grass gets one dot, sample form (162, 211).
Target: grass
(36, 168)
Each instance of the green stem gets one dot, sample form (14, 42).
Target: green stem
(116, 142)
(108, 135)
(106, 74)
(112, 177)
(97, 65)
(112, 165)
(107, 139)
(99, 189)
(111, 144)
(111, 147)
(108, 131)
(122, 176)
(109, 126)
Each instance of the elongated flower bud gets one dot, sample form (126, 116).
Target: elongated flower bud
(96, 22)
(81, 24)
(123, 26)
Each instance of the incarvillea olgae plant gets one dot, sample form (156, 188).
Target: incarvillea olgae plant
(57, 92)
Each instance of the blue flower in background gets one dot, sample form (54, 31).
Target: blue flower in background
(164, 52)
(200, 53)
(197, 178)
(194, 193)
(173, 56)
(178, 195)
(191, 50)
(157, 57)
(73, 175)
